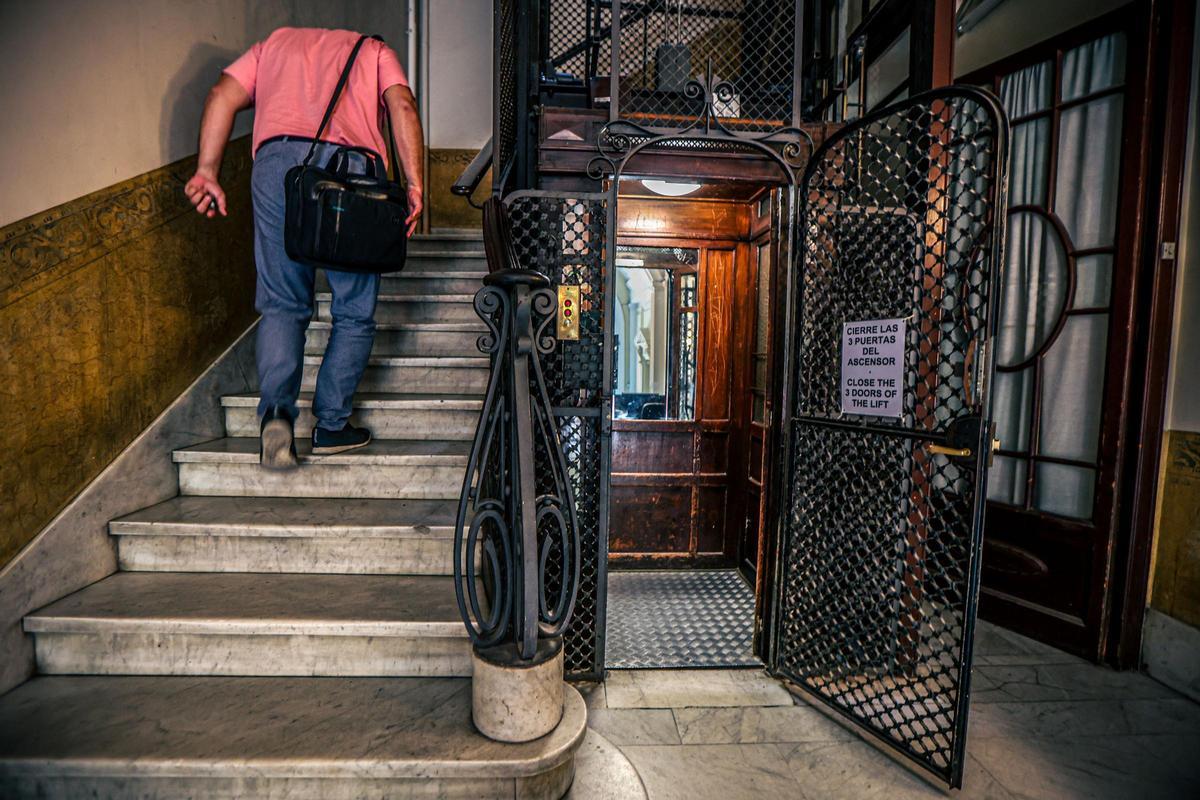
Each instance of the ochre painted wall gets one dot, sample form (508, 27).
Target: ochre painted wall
(448, 210)
(110, 306)
(1176, 587)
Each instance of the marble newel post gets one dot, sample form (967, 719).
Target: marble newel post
(517, 538)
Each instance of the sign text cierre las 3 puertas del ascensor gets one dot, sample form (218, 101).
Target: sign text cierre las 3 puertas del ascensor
(873, 367)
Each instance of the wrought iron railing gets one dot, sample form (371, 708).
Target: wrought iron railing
(516, 541)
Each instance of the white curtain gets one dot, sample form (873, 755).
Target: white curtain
(1035, 284)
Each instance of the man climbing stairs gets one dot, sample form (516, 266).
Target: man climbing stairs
(250, 644)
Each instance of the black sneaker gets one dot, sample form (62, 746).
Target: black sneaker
(277, 444)
(325, 443)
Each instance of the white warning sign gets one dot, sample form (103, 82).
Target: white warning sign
(873, 367)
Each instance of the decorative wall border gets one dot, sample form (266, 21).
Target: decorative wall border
(42, 248)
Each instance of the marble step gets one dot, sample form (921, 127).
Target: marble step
(409, 339)
(265, 534)
(216, 737)
(413, 308)
(421, 281)
(389, 468)
(182, 623)
(426, 374)
(388, 416)
(447, 261)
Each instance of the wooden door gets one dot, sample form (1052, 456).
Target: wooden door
(756, 403)
(1064, 351)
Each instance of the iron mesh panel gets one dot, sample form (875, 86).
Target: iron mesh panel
(504, 135)
(880, 556)
(580, 37)
(750, 43)
(564, 237)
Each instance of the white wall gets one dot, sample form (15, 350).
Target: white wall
(1017, 24)
(97, 91)
(460, 73)
(1183, 397)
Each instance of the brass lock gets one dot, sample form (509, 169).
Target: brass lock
(568, 313)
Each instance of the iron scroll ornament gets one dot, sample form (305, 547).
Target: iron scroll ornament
(516, 514)
(622, 139)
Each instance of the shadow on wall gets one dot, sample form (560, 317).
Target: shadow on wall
(183, 102)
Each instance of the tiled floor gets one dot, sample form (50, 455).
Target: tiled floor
(1043, 725)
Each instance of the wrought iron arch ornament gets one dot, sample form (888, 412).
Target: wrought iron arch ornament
(621, 140)
(516, 513)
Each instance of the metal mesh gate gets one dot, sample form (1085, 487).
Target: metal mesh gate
(750, 44)
(580, 36)
(563, 236)
(504, 90)
(881, 518)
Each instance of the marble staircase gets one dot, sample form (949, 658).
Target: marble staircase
(292, 634)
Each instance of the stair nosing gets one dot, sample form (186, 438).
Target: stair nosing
(457, 362)
(197, 454)
(218, 626)
(242, 530)
(429, 327)
(391, 297)
(561, 743)
(458, 403)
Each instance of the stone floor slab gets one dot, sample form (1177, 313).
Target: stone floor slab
(683, 688)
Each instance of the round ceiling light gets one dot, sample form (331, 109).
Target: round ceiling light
(671, 188)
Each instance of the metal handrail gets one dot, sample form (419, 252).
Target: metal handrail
(472, 176)
(516, 513)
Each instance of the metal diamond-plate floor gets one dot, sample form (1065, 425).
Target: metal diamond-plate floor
(692, 618)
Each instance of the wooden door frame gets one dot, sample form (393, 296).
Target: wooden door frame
(1141, 307)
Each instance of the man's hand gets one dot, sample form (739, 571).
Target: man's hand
(415, 203)
(410, 142)
(224, 100)
(206, 194)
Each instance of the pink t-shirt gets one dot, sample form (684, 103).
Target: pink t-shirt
(290, 77)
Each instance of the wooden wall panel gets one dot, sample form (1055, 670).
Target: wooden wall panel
(704, 220)
(717, 312)
(654, 519)
(651, 451)
(711, 520)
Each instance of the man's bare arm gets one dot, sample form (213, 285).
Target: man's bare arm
(225, 99)
(410, 144)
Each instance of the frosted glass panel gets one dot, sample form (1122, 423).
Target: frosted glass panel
(1093, 281)
(1073, 387)
(1012, 400)
(1035, 287)
(1093, 67)
(1065, 490)
(1006, 481)
(1089, 155)
(889, 70)
(1030, 159)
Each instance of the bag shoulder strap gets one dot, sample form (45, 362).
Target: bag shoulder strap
(337, 92)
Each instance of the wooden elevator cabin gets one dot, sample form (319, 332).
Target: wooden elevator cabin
(689, 453)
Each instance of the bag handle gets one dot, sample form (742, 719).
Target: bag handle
(337, 92)
(393, 156)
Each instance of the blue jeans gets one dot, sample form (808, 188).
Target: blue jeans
(284, 297)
